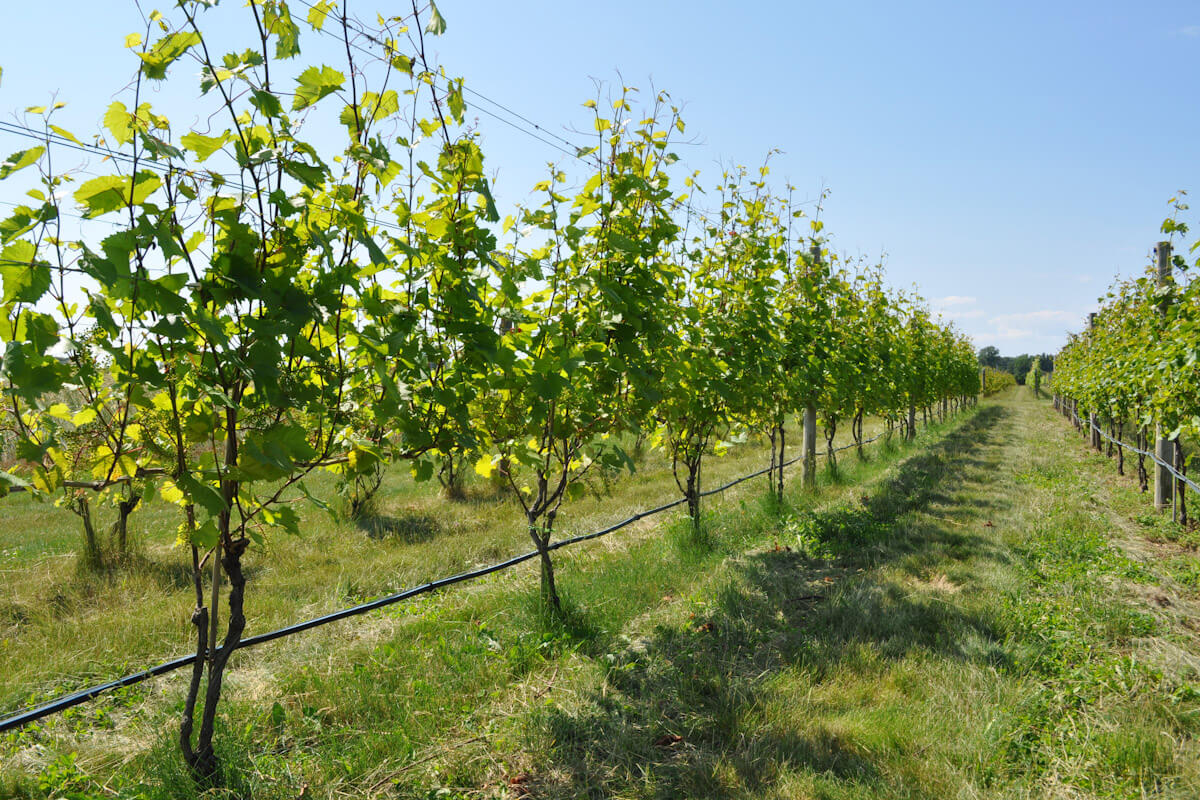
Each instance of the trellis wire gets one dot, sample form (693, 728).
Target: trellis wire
(1168, 467)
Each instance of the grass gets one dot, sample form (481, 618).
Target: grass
(992, 614)
(62, 628)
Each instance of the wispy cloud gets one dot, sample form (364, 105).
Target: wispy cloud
(963, 313)
(1190, 31)
(1005, 334)
(1035, 331)
(955, 300)
(1028, 317)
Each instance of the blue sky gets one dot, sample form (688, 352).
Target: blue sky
(1009, 158)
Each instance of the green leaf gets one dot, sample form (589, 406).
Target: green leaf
(422, 470)
(83, 416)
(26, 281)
(378, 257)
(485, 466)
(265, 102)
(316, 83)
(32, 374)
(437, 23)
(624, 243)
(310, 175)
(202, 494)
(371, 106)
(403, 63)
(283, 517)
(318, 13)
(20, 160)
(454, 99)
(66, 134)
(24, 218)
(111, 192)
(272, 454)
(166, 51)
(206, 535)
(116, 119)
(279, 22)
(8, 482)
(204, 146)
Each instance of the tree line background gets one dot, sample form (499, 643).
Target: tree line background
(1019, 366)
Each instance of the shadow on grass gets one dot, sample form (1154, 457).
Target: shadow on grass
(681, 712)
(411, 528)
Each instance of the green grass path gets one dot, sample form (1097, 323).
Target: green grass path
(992, 619)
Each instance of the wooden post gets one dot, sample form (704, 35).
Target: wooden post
(810, 447)
(1093, 419)
(810, 410)
(1164, 448)
(982, 376)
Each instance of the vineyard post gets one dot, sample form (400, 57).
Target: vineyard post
(911, 431)
(1164, 448)
(810, 447)
(1093, 419)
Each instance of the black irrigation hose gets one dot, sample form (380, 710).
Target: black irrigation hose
(1169, 467)
(63, 703)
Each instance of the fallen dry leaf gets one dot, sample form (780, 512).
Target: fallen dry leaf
(518, 784)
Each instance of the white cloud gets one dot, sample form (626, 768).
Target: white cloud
(1190, 31)
(1008, 320)
(955, 300)
(1028, 331)
(1003, 333)
(966, 313)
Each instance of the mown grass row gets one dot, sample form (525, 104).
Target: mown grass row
(63, 628)
(980, 624)
(986, 616)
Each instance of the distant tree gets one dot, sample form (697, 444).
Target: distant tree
(1046, 362)
(989, 356)
(1020, 367)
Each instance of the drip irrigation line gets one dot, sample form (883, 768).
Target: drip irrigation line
(61, 704)
(1168, 467)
